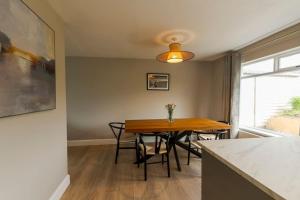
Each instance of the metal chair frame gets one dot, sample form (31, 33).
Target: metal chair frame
(118, 129)
(143, 157)
(219, 134)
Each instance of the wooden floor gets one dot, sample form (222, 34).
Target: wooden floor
(94, 176)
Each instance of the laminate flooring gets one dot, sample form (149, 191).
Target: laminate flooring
(95, 176)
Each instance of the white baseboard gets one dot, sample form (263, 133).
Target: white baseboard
(58, 193)
(72, 143)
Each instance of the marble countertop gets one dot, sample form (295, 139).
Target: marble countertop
(272, 164)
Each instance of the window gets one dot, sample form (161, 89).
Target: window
(270, 94)
(256, 68)
(290, 61)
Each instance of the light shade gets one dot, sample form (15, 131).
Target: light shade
(175, 55)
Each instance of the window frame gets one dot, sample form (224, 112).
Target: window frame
(287, 54)
(256, 61)
(276, 67)
(276, 70)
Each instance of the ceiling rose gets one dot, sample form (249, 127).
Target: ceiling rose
(182, 36)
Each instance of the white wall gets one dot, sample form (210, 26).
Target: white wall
(105, 90)
(33, 148)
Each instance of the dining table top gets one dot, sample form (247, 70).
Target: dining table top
(163, 125)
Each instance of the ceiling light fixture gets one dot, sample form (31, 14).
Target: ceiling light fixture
(175, 55)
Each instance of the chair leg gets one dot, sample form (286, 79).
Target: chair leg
(217, 136)
(145, 168)
(117, 153)
(189, 154)
(137, 154)
(139, 159)
(162, 159)
(168, 164)
(223, 136)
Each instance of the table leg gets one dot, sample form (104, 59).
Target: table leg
(176, 158)
(174, 138)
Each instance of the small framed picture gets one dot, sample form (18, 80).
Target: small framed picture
(158, 81)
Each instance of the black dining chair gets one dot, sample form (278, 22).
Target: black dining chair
(124, 141)
(204, 135)
(147, 149)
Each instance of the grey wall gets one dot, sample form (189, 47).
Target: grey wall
(104, 90)
(33, 148)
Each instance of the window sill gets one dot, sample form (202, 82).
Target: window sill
(263, 133)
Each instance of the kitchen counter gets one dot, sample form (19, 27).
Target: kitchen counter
(270, 164)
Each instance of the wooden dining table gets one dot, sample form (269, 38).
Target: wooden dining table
(177, 129)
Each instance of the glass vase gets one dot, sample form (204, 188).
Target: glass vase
(170, 116)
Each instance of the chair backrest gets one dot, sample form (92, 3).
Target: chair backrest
(216, 132)
(117, 128)
(158, 140)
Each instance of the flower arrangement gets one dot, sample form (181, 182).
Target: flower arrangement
(170, 108)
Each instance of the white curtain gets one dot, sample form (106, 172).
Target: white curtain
(234, 105)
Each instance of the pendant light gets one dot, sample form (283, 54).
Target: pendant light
(175, 54)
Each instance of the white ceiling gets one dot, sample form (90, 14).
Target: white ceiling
(131, 28)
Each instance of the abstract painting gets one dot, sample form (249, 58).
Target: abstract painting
(27, 61)
(157, 81)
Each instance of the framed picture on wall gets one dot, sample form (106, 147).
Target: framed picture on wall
(158, 81)
(27, 61)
